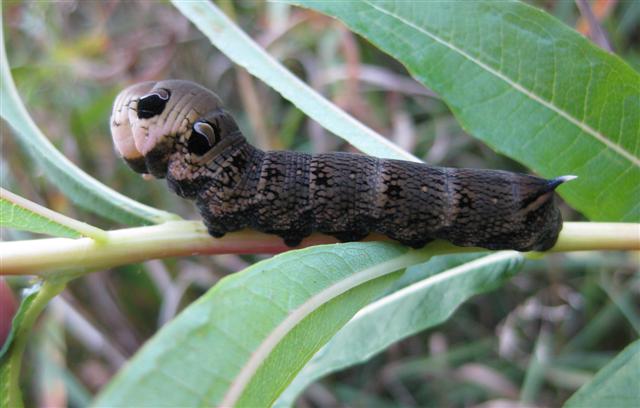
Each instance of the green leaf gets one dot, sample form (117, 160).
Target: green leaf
(81, 188)
(25, 305)
(13, 349)
(524, 83)
(19, 213)
(242, 50)
(414, 308)
(616, 385)
(245, 340)
(17, 217)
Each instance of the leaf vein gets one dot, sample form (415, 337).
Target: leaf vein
(583, 126)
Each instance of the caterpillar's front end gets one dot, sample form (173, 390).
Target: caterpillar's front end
(136, 118)
(172, 129)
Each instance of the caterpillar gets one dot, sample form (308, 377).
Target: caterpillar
(180, 131)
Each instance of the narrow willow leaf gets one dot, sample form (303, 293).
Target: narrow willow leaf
(616, 385)
(81, 188)
(25, 304)
(12, 351)
(10, 395)
(524, 83)
(19, 213)
(414, 308)
(242, 50)
(245, 340)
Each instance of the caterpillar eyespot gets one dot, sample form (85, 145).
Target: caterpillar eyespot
(348, 196)
(153, 104)
(203, 137)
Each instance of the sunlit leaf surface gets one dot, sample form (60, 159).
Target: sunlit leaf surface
(409, 310)
(20, 218)
(19, 213)
(246, 339)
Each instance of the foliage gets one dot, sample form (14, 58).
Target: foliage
(615, 385)
(79, 186)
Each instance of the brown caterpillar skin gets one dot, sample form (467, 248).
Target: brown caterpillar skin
(178, 130)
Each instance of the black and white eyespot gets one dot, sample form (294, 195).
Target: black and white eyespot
(204, 136)
(153, 103)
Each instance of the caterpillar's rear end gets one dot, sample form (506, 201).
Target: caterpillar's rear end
(179, 130)
(468, 207)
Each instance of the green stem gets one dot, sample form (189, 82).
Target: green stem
(48, 291)
(183, 238)
(598, 236)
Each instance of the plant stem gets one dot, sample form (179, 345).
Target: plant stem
(183, 238)
(598, 236)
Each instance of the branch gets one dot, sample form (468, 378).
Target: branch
(184, 238)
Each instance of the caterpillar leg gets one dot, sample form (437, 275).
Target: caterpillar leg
(415, 243)
(292, 241)
(291, 238)
(350, 236)
(216, 233)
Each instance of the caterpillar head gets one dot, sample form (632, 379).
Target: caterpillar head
(171, 129)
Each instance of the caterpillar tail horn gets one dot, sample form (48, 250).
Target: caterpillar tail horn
(554, 183)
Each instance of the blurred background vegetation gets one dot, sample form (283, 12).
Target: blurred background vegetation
(572, 312)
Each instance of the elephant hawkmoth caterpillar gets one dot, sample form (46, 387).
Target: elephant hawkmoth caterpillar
(180, 131)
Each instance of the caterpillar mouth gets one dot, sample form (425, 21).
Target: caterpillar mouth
(137, 164)
(155, 162)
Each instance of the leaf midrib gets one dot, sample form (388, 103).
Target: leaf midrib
(262, 352)
(528, 93)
